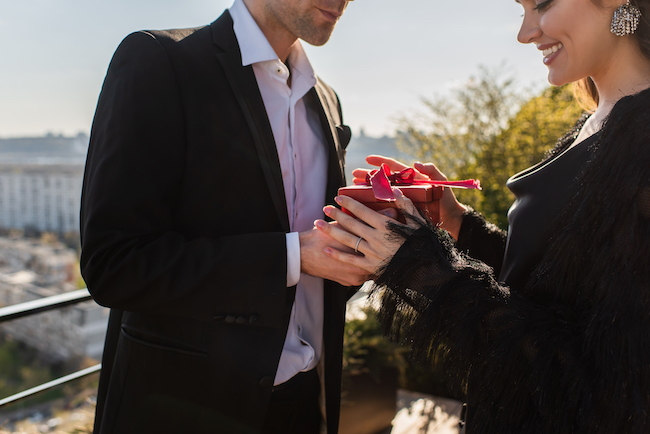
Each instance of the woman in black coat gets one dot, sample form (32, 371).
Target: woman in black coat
(547, 330)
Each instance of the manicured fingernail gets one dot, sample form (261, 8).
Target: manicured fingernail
(337, 199)
(327, 210)
(319, 224)
(327, 251)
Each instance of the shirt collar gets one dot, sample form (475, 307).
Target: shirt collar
(255, 48)
(253, 44)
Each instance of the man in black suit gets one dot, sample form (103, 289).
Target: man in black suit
(212, 151)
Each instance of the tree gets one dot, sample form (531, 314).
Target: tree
(488, 130)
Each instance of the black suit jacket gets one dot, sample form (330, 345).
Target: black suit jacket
(183, 228)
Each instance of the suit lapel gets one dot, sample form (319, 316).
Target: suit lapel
(244, 86)
(336, 176)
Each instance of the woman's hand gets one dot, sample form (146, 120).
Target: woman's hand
(372, 240)
(451, 211)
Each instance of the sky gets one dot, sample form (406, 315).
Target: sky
(384, 56)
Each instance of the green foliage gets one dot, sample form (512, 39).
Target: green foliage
(366, 350)
(490, 131)
(20, 368)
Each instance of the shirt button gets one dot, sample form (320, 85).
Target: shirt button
(266, 381)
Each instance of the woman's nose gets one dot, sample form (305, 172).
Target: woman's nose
(529, 30)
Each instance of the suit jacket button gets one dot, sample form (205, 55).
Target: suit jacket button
(253, 319)
(230, 319)
(219, 317)
(266, 381)
(241, 320)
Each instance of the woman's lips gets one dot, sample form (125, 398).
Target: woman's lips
(550, 51)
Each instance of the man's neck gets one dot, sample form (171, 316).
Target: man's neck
(280, 39)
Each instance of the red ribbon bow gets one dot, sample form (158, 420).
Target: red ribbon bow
(381, 180)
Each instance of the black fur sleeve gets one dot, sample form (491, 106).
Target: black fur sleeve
(482, 240)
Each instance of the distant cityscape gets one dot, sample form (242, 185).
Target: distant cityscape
(47, 149)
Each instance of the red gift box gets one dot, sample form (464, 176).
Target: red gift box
(426, 197)
(377, 193)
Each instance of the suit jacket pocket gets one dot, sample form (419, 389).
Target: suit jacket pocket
(146, 338)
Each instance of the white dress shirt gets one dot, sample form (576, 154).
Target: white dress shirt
(303, 156)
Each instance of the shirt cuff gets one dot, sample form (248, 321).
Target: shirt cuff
(293, 259)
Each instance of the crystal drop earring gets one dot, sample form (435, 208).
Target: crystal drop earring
(625, 19)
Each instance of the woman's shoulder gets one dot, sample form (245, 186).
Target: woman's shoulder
(567, 139)
(629, 120)
(625, 135)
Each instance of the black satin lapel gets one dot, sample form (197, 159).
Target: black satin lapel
(244, 86)
(336, 176)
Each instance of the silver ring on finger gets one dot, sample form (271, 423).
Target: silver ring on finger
(356, 247)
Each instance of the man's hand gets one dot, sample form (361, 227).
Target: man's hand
(315, 262)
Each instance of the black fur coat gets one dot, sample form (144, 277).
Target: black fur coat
(570, 352)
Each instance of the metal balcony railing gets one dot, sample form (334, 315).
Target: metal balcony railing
(43, 305)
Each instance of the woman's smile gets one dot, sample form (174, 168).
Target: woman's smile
(550, 52)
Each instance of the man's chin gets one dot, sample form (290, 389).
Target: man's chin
(316, 41)
(317, 34)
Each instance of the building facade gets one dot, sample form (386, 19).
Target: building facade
(44, 197)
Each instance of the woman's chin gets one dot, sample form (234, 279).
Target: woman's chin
(556, 80)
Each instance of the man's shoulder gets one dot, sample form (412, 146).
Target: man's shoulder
(174, 35)
(183, 39)
(170, 43)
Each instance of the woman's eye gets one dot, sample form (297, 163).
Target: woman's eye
(543, 5)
